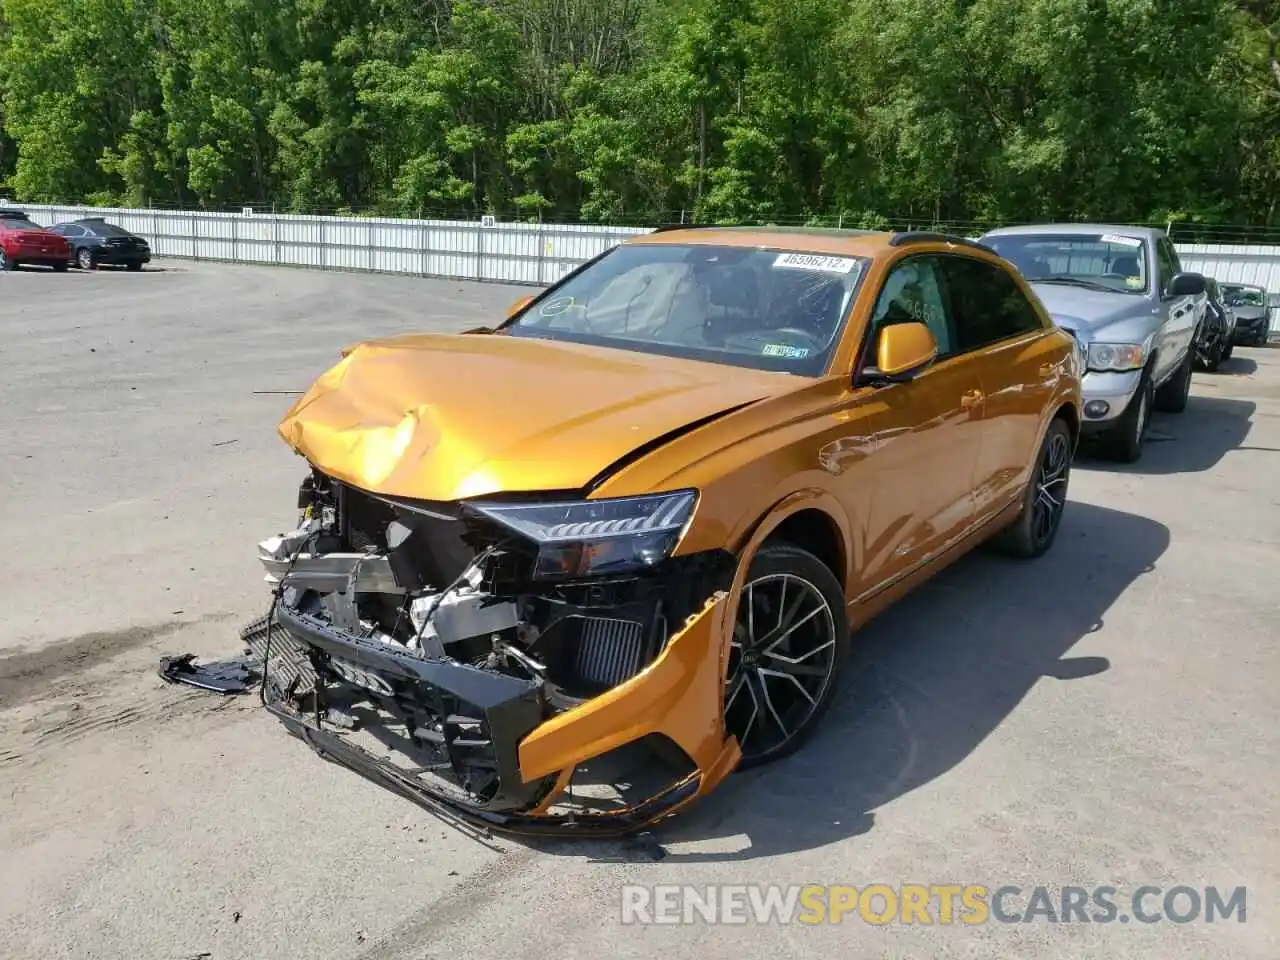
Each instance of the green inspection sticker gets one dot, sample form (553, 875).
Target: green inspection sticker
(782, 350)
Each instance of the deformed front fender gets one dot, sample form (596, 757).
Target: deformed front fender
(680, 695)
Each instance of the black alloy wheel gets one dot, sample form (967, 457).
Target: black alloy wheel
(1051, 488)
(1034, 531)
(790, 638)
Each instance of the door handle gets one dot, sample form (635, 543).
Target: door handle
(971, 399)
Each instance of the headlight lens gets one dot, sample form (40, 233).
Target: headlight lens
(582, 538)
(1116, 356)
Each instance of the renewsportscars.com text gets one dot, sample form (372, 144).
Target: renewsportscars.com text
(928, 904)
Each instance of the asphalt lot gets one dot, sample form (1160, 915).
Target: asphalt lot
(1106, 715)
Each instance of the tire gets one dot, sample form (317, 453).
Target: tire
(784, 580)
(1123, 442)
(1226, 352)
(1261, 340)
(60, 267)
(84, 259)
(1035, 530)
(1215, 359)
(133, 265)
(1172, 395)
(6, 263)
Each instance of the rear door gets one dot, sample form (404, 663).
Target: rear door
(924, 434)
(1021, 363)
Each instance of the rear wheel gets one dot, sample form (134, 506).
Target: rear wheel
(5, 262)
(84, 259)
(790, 638)
(1033, 533)
(134, 265)
(60, 267)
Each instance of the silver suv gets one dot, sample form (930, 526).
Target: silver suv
(1122, 293)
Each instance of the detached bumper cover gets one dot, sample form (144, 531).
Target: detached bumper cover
(679, 696)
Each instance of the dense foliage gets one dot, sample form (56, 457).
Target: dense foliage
(945, 110)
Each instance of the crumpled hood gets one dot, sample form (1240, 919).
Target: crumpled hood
(1096, 314)
(449, 416)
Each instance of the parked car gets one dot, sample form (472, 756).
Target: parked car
(1251, 305)
(95, 243)
(1214, 342)
(22, 242)
(649, 506)
(1122, 292)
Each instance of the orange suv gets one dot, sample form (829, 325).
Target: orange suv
(650, 507)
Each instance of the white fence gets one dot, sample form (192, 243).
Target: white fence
(526, 253)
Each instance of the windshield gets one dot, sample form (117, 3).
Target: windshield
(1243, 296)
(1102, 260)
(764, 309)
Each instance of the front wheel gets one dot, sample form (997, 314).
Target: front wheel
(1123, 442)
(1172, 396)
(1214, 360)
(790, 638)
(6, 263)
(84, 259)
(1033, 533)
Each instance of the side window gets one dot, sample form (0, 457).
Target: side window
(986, 304)
(71, 230)
(1166, 262)
(913, 292)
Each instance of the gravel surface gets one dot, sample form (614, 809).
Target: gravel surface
(1106, 715)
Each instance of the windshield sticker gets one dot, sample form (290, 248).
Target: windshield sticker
(808, 261)
(1134, 282)
(782, 350)
(1122, 241)
(556, 306)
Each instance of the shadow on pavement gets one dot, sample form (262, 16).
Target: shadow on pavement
(1189, 442)
(931, 679)
(1236, 366)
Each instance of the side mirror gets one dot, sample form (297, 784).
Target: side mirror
(518, 306)
(1186, 285)
(903, 350)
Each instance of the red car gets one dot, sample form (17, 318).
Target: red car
(22, 241)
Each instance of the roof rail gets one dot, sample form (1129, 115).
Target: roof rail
(688, 226)
(924, 236)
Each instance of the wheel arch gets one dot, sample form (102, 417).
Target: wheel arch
(809, 519)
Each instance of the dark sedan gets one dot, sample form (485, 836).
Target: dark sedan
(1250, 304)
(96, 243)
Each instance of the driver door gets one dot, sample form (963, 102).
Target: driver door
(915, 496)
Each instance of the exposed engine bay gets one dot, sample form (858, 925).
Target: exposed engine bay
(449, 631)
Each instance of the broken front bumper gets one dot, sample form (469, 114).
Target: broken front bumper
(679, 696)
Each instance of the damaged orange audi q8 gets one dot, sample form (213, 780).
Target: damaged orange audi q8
(650, 506)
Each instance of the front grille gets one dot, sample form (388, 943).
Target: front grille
(609, 650)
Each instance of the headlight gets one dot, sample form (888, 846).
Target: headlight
(1116, 356)
(583, 538)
